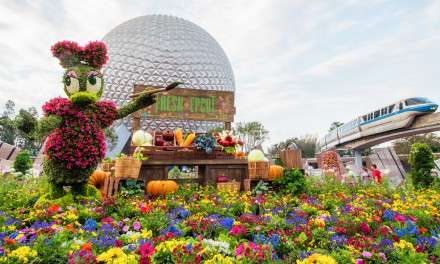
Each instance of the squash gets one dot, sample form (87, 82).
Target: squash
(189, 140)
(275, 172)
(179, 136)
(256, 155)
(97, 179)
(162, 187)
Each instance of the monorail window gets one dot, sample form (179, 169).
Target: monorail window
(377, 114)
(383, 111)
(400, 106)
(415, 101)
(365, 118)
(390, 108)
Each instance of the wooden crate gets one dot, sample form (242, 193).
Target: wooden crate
(291, 158)
(258, 170)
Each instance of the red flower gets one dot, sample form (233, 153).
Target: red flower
(365, 228)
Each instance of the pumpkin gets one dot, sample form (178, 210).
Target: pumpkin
(162, 187)
(275, 172)
(97, 179)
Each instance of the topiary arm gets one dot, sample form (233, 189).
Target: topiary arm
(144, 100)
(47, 124)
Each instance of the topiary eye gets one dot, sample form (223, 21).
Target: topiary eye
(94, 82)
(71, 82)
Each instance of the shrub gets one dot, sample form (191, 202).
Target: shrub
(421, 160)
(23, 162)
(292, 181)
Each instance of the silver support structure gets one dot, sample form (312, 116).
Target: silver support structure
(357, 160)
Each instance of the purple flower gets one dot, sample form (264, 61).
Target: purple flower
(136, 226)
(125, 229)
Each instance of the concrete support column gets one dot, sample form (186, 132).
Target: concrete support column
(357, 160)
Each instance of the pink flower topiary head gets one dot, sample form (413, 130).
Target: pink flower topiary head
(83, 82)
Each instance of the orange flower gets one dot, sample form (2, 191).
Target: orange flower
(53, 209)
(87, 246)
(423, 230)
(10, 241)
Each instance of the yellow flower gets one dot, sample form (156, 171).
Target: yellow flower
(116, 256)
(219, 259)
(317, 259)
(23, 254)
(403, 244)
(146, 234)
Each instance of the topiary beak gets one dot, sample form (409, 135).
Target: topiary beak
(83, 98)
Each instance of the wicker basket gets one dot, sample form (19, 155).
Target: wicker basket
(258, 170)
(127, 167)
(232, 186)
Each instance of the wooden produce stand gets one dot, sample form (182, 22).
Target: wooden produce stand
(208, 170)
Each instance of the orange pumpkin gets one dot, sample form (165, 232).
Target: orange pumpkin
(97, 179)
(275, 172)
(162, 187)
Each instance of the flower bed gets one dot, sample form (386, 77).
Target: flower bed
(341, 225)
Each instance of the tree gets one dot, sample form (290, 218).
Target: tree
(9, 111)
(421, 160)
(7, 127)
(23, 162)
(335, 125)
(252, 133)
(403, 146)
(306, 143)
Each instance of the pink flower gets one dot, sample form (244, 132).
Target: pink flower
(360, 261)
(366, 254)
(237, 230)
(400, 218)
(136, 226)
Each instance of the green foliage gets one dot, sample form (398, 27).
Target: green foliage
(261, 188)
(58, 176)
(292, 182)
(47, 124)
(131, 188)
(23, 162)
(83, 98)
(335, 125)
(53, 250)
(421, 160)
(403, 146)
(155, 221)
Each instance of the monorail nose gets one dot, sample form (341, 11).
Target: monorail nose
(434, 107)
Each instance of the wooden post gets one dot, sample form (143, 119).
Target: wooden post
(291, 158)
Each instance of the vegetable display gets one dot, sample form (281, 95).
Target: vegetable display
(97, 179)
(256, 155)
(205, 142)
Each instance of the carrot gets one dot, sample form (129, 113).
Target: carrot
(179, 136)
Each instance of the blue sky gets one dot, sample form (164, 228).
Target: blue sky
(298, 65)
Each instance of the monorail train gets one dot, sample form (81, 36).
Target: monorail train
(394, 116)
